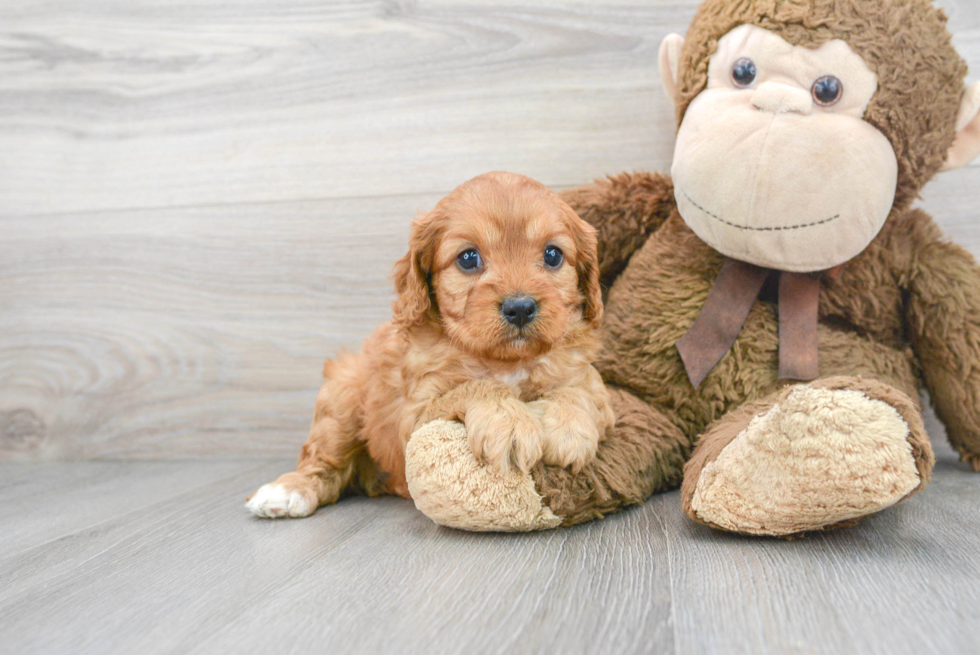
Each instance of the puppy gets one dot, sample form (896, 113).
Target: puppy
(494, 325)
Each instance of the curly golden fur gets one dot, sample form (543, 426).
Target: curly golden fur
(525, 393)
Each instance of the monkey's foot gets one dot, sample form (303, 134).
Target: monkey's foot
(809, 457)
(452, 488)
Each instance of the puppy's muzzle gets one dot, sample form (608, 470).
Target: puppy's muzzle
(519, 310)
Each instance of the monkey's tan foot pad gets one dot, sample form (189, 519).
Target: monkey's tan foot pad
(815, 457)
(452, 488)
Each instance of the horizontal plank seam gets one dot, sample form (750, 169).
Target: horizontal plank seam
(259, 203)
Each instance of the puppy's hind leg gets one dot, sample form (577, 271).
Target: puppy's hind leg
(327, 460)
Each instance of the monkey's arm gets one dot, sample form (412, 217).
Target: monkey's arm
(625, 210)
(944, 320)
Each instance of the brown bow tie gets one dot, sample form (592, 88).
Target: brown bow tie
(728, 305)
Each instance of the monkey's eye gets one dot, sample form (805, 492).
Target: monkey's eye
(469, 260)
(553, 257)
(827, 91)
(744, 73)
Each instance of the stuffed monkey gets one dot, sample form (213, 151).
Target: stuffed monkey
(775, 305)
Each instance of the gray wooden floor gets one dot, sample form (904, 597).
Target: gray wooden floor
(160, 557)
(199, 201)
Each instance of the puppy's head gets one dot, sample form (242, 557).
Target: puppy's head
(503, 265)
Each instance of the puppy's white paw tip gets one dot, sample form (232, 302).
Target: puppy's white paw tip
(275, 500)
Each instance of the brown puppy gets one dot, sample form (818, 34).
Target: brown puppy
(494, 326)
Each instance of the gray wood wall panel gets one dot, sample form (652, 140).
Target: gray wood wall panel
(118, 104)
(199, 201)
(195, 331)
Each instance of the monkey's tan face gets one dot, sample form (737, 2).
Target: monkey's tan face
(774, 164)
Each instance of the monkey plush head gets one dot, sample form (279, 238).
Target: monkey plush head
(805, 123)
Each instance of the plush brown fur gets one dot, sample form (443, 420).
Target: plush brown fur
(868, 316)
(523, 393)
(904, 314)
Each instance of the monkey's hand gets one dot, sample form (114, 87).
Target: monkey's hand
(625, 210)
(943, 313)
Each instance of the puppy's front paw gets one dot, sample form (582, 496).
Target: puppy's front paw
(503, 433)
(571, 437)
(571, 449)
(276, 500)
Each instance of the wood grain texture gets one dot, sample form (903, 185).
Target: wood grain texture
(199, 202)
(198, 574)
(192, 332)
(121, 104)
(904, 581)
(192, 572)
(45, 502)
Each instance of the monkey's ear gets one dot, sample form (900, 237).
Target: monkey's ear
(966, 147)
(670, 61)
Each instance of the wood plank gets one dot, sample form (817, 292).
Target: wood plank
(903, 581)
(195, 573)
(118, 104)
(71, 552)
(964, 23)
(46, 501)
(186, 332)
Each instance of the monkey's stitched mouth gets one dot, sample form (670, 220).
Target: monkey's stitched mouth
(758, 229)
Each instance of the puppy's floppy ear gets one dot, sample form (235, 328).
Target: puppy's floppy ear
(587, 266)
(413, 274)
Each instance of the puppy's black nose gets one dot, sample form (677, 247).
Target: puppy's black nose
(519, 310)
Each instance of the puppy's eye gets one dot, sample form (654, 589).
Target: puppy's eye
(553, 257)
(469, 260)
